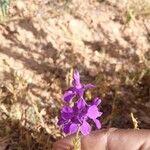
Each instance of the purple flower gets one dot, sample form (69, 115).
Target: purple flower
(76, 118)
(77, 88)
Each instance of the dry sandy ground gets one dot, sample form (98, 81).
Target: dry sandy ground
(43, 40)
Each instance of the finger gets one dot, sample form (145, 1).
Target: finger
(64, 144)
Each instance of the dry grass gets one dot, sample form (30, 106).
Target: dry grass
(28, 121)
(138, 8)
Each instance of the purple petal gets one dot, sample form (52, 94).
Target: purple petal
(89, 86)
(96, 101)
(68, 96)
(76, 91)
(67, 109)
(81, 92)
(66, 112)
(85, 128)
(93, 112)
(76, 120)
(97, 123)
(66, 128)
(73, 89)
(73, 128)
(76, 79)
(61, 121)
(81, 103)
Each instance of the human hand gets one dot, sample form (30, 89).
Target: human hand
(109, 139)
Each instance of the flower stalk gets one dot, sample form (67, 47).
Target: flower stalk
(77, 141)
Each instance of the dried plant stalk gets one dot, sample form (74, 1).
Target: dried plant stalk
(135, 122)
(77, 142)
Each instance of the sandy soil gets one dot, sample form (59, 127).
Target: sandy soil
(42, 41)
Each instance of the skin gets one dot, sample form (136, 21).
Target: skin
(109, 139)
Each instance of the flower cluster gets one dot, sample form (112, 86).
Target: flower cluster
(76, 118)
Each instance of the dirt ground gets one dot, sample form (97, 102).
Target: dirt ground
(108, 41)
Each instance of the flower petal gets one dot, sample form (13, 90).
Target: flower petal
(85, 128)
(68, 96)
(61, 121)
(96, 101)
(81, 103)
(76, 79)
(88, 86)
(93, 112)
(73, 128)
(66, 128)
(80, 92)
(97, 123)
(66, 112)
